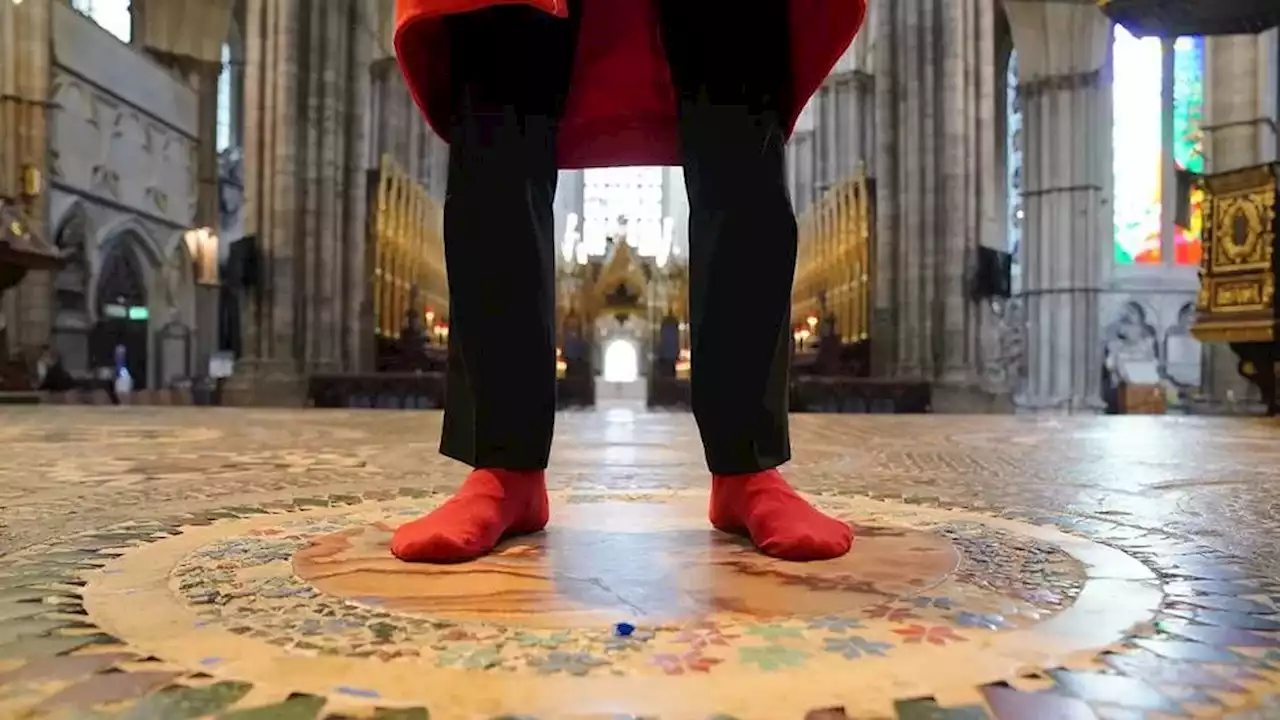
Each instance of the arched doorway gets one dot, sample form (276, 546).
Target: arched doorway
(122, 314)
(621, 362)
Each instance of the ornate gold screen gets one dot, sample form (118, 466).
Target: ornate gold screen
(408, 241)
(835, 259)
(1237, 275)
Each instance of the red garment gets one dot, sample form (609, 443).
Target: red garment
(621, 109)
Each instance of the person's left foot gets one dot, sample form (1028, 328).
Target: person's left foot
(763, 507)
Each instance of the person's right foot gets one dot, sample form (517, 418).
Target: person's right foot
(491, 505)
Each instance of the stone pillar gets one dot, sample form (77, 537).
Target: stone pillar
(358, 158)
(306, 99)
(852, 86)
(1239, 131)
(400, 131)
(25, 73)
(842, 116)
(187, 37)
(885, 314)
(935, 153)
(1062, 53)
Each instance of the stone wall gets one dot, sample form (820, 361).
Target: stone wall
(122, 172)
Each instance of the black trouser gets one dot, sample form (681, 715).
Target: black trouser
(511, 70)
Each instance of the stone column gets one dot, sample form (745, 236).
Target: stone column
(203, 75)
(306, 99)
(852, 86)
(400, 131)
(25, 73)
(187, 37)
(1239, 131)
(1062, 53)
(934, 158)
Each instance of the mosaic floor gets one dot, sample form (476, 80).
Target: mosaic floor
(189, 563)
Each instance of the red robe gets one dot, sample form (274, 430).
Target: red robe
(621, 107)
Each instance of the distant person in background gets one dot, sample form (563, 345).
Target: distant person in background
(52, 374)
(123, 380)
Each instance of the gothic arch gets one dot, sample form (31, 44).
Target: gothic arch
(122, 275)
(1134, 329)
(121, 295)
(1135, 310)
(129, 229)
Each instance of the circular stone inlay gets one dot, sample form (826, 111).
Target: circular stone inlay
(607, 562)
(308, 602)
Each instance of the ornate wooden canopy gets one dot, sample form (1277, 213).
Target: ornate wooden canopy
(21, 250)
(1175, 18)
(622, 282)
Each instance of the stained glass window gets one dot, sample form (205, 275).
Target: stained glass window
(1188, 137)
(1143, 155)
(224, 100)
(1013, 155)
(1138, 157)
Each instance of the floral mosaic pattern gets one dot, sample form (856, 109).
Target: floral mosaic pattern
(247, 585)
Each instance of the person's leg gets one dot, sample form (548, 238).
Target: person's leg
(511, 68)
(730, 64)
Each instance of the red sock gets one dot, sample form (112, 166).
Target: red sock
(490, 505)
(782, 524)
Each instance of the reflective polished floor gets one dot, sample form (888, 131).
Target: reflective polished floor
(189, 563)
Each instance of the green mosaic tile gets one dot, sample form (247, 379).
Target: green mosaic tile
(74, 557)
(108, 540)
(106, 689)
(402, 714)
(196, 521)
(21, 610)
(15, 579)
(63, 668)
(297, 707)
(52, 645)
(221, 515)
(183, 703)
(29, 628)
(24, 594)
(246, 510)
(926, 709)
